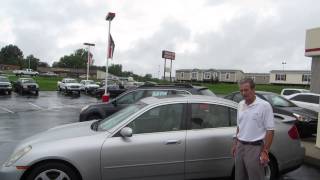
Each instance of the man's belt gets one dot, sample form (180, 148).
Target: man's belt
(255, 143)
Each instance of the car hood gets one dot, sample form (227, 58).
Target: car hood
(5, 83)
(302, 111)
(73, 84)
(68, 131)
(92, 85)
(28, 84)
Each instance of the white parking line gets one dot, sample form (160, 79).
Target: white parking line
(5, 109)
(35, 106)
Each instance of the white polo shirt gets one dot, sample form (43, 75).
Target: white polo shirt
(254, 120)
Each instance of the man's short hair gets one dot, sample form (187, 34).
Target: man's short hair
(248, 80)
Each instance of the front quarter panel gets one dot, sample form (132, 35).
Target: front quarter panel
(82, 152)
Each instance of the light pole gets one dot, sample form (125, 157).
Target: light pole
(109, 17)
(283, 63)
(88, 59)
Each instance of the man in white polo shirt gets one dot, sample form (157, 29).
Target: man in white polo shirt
(255, 129)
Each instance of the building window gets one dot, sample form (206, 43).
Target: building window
(227, 76)
(306, 77)
(194, 75)
(280, 77)
(182, 75)
(207, 75)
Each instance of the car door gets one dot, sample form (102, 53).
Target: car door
(209, 139)
(155, 151)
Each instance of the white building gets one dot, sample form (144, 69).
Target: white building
(298, 77)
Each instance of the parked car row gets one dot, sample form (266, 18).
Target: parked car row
(21, 86)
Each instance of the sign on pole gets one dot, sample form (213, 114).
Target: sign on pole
(168, 55)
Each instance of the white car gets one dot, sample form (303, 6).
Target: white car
(69, 85)
(289, 91)
(306, 100)
(88, 86)
(25, 72)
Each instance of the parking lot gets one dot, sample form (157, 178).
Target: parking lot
(23, 116)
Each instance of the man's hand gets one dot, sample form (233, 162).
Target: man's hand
(233, 150)
(264, 158)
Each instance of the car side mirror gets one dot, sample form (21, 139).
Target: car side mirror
(126, 132)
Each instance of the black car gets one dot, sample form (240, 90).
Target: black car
(114, 90)
(26, 85)
(5, 85)
(103, 110)
(307, 120)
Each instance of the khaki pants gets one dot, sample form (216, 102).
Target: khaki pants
(247, 163)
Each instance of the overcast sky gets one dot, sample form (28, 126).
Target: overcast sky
(250, 35)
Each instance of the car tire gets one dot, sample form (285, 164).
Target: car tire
(52, 170)
(21, 91)
(9, 92)
(37, 93)
(271, 170)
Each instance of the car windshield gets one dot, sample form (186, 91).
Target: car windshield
(118, 117)
(278, 101)
(71, 81)
(207, 92)
(28, 81)
(91, 82)
(4, 79)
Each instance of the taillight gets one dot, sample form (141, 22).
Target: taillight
(293, 132)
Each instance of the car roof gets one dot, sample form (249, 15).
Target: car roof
(187, 98)
(25, 78)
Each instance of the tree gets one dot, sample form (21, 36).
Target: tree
(115, 69)
(43, 64)
(78, 59)
(12, 55)
(33, 62)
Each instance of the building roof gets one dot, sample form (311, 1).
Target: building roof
(292, 71)
(256, 74)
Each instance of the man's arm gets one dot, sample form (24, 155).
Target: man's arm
(268, 140)
(235, 141)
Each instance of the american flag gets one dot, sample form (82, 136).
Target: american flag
(111, 47)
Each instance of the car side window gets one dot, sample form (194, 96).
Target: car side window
(289, 92)
(159, 119)
(233, 116)
(306, 98)
(131, 97)
(209, 116)
(180, 92)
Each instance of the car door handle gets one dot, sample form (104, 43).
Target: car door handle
(173, 142)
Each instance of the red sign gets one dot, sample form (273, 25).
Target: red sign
(168, 55)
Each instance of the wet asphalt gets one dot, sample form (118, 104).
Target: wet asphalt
(23, 116)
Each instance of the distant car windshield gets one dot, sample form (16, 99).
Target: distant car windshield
(91, 82)
(71, 81)
(28, 81)
(278, 101)
(118, 117)
(4, 79)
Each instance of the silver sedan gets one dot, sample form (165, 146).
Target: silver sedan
(181, 137)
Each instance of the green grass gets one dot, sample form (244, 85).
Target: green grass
(226, 88)
(45, 83)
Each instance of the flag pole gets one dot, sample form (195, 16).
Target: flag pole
(88, 57)
(105, 97)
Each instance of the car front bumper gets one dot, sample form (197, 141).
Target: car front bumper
(10, 173)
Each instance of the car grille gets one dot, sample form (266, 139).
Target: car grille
(74, 86)
(4, 85)
(32, 87)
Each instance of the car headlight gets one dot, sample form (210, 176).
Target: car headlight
(302, 118)
(16, 156)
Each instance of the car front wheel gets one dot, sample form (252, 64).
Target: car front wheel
(271, 170)
(53, 170)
